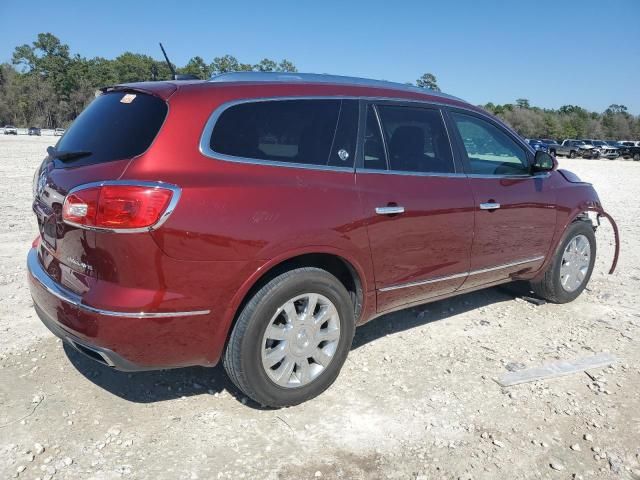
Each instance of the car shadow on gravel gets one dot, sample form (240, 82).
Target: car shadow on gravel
(162, 385)
(432, 312)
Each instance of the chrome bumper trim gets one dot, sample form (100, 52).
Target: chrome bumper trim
(40, 275)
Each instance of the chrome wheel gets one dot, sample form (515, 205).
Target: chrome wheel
(300, 340)
(575, 263)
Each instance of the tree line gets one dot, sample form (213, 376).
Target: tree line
(45, 85)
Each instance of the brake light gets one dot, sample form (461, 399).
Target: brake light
(118, 206)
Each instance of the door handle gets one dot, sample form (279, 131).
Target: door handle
(390, 210)
(489, 206)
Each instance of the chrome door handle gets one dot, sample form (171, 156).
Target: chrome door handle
(391, 210)
(489, 206)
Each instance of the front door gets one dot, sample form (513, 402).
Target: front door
(418, 204)
(515, 213)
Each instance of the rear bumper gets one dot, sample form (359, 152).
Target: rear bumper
(128, 341)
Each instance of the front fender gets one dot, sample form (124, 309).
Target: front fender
(575, 199)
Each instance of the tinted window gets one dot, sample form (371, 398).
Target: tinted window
(374, 156)
(344, 143)
(114, 126)
(489, 149)
(295, 131)
(416, 139)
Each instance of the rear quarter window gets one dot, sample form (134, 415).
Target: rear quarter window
(116, 125)
(309, 132)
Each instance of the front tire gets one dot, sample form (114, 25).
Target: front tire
(291, 339)
(636, 157)
(572, 154)
(569, 272)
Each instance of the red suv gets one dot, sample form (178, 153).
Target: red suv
(259, 218)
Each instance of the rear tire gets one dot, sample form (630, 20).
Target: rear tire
(556, 285)
(636, 157)
(282, 306)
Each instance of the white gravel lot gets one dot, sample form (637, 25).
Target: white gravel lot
(416, 399)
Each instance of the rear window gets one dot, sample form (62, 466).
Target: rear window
(116, 125)
(311, 132)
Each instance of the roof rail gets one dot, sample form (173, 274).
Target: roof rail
(291, 77)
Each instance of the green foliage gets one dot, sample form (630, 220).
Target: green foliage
(569, 121)
(48, 87)
(428, 80)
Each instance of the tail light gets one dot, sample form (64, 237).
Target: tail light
(120, 205)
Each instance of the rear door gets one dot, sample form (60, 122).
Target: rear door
(116, 127)
(417, 203)
(515, 211)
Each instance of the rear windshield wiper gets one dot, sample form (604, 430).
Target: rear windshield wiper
(66, 156)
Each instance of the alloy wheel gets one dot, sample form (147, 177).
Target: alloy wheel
(301, 340)
(575, 263)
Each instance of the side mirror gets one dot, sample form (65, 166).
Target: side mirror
(543, 162)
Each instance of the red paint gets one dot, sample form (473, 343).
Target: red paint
(236, 221)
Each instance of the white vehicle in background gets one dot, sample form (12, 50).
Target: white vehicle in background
(604, 149)
(10, 130)
(58, 132)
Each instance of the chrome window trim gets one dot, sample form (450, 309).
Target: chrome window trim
(205, 136)
(176, 193)
(414, 174)
(509, 176)
(462, 274)
(40, 275)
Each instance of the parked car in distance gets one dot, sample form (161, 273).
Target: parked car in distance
(552, 145)
(10, 130)
(605, 150)
(629, 150)
(34, 131)
(538, 145)
(221, 220)
(58, 132)
(570, 148)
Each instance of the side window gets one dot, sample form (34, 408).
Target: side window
(374, 157)
(343, 149)
(294, 131)
(417, 140)
(489, 149)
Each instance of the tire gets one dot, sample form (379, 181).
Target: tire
(636, 157)
(572, 154)
(552, 152)
(550, 286)
(245, 351)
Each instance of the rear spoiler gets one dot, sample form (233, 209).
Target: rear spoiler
(161, 90)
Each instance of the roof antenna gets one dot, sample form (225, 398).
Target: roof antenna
(176, 76)
(173, 71)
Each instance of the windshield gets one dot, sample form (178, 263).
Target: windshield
(116, 125)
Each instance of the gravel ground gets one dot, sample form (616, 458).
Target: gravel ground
(416, 400)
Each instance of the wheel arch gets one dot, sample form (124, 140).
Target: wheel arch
(345, 269)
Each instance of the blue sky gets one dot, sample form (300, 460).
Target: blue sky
(554, 53)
